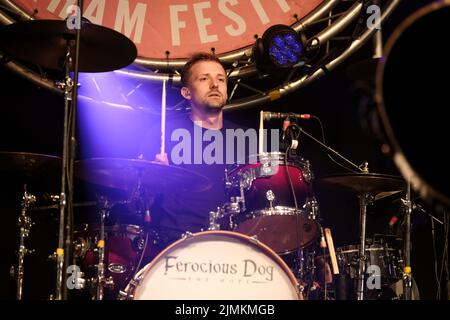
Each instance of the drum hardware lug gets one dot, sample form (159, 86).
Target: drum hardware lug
(52, 257)
(125, 296)
(268, 168)
(187, 235)
(24, 251)
(270, 196)
(134, 283)
(246, 178)
(79, 248)
(254, 239)
(312, 207)
(308, 175)
(108, 282)
(213, 216)
(365, 167)
(241, 199)
(228, 183)
(234, 206)
(54, 198)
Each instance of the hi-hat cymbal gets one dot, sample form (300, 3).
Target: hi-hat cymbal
(44, 42)
(126, 174)
(379, 185)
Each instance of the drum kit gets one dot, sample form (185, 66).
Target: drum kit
(259, 244)
(272, 212)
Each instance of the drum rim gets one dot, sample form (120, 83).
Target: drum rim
(299, 163)
(275, 211)
(251, 240)
(418, 183)
(338, 250)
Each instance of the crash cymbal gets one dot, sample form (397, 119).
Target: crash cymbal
(28, 163)
(379, 185)
(30, 168)
(125, 174)
(44, 42)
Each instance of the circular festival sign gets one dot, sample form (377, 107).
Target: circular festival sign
(181, 26)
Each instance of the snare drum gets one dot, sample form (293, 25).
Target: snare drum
(269, 210)
(214, 265)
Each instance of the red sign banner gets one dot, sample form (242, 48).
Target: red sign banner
(181, 26)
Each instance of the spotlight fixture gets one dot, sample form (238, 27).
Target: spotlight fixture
(280, 47)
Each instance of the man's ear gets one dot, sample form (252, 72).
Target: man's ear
(186, 93)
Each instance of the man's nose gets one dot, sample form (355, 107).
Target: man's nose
(214, 84)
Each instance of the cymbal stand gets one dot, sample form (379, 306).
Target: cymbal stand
(25, 224)
(101, 281)
(407, 276)
(143, 201)
(364, 200)
(67, 85)
(70, 87)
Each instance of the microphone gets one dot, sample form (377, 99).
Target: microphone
(280, 115)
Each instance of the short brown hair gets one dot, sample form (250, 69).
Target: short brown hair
(196, 57)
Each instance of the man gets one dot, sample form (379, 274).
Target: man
(204, 86)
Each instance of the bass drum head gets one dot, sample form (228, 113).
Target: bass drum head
(413, 96)
(215, 265)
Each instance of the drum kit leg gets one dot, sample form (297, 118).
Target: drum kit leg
(24, 224)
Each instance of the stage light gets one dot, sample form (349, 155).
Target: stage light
(280, 47)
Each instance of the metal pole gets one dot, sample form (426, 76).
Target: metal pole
(63, 252)
(407, 275)
(362, 246)
(68, 84)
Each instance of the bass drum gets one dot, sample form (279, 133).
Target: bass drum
(412, 96)
(214, 265)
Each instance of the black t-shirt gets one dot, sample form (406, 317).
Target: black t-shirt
(207, 154)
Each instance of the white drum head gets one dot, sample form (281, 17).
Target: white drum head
(216, 265)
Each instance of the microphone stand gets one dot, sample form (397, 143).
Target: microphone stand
(64, 250)
(328, 148)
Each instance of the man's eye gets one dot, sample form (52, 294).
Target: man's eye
(222, 80)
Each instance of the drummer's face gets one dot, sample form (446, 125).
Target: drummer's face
(207, 86)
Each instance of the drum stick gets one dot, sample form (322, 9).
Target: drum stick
(331, 251)
(163, 119)
(261, 132)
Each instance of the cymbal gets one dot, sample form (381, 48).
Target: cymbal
(44, 42)
(379, 185)
(30, 167)
(125, 174)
